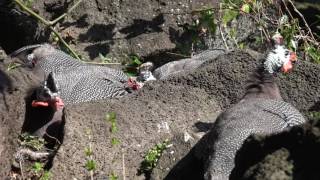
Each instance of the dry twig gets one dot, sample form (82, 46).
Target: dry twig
(51, 24)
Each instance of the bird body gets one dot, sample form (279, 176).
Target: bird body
(185, 65)
(232, 127)
(76, 86)
(260, 111)
(76, 81)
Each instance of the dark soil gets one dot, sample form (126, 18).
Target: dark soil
(188, 103)
(183, 103)
(148, 28)
(289, 155)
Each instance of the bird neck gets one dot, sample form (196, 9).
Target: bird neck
(261, 84)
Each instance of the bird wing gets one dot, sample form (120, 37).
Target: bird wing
(186, 65)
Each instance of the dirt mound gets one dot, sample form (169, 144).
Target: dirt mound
(159, 111)
(288, 155)
(14, 85)
(156, 113)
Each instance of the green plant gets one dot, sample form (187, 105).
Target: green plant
(152, 156)
(37, 168)
(205, 23)
(288, 30)
(313, 52)
(30, 141)
(28, 3)
(104, 59)
(229, 15)
(113, 176)
(39, 172)
(132, 67)
(111, 117)
(12, 66)
(314, 115)
(91, 165)
(115, 141)
(46, 176)
(88, 151)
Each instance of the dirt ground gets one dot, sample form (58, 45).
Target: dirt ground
(180, 109)
(186, 104)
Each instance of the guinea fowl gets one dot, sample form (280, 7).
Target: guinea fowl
(44, 58)
(260, 111)
(185, 65)
(76, 81)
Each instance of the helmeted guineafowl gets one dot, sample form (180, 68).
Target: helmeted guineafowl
(44, 58)
(76, 81)
(185, 65)
(261, 111)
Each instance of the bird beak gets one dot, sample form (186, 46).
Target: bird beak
(288, 66)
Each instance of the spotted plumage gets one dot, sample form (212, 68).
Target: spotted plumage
(185, 65)
(76, 81)
(261, 111)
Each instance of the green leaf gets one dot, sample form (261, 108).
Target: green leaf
(46, 176)
(114, 127)
(153, 155)
(37, 167)
(88, 151)
(91, 165)
(313, 52)
(135, 60)
(111, 116)
(241, 45)
(246, 8)
(104, 59)
(131, 74)
(115, 141)
(12, 66)
(229, 15)
(113, 176)
(207, 21)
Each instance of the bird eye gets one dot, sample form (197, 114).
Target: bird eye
(286, 53)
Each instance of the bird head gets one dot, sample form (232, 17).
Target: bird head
(280, 59)
(145, 73)
(48, 94)
(30, 55)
